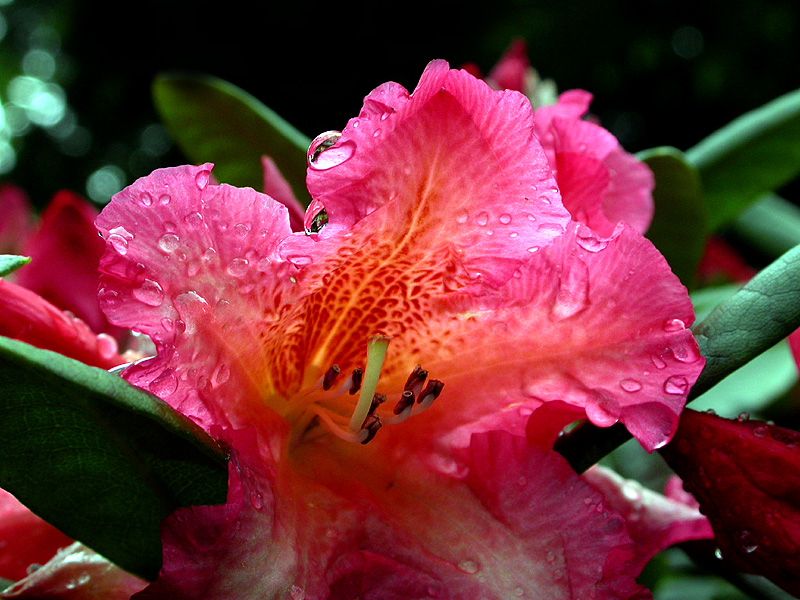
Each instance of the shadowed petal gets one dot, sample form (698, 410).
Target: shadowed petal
(16, 219)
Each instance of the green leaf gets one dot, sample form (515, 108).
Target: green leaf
(212, 120)
(11, 262)
(758, 316)
(756, 384)
(680, 224)
(753, 155)
(98, 458)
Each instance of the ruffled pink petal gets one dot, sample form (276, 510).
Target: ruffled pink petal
(452, 157)
(319, 525)
(276, 186)
(599, 325)
(194, 266)
(25, 539)
(16, 219)
(601, 184)
(76, 573)
(65, 252)
(26, 316)
(654, 521)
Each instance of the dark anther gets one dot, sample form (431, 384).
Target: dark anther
(415, 380)
(406, 400)
(434, 388)
(377, 400)
(358, 374)
(330, 376)
(371, 425)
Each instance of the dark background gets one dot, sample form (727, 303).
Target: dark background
(662, 72)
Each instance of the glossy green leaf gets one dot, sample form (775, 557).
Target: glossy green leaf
(212, 120)
(100, 459)
(761, 314)
(680, 224)
(753, 155)
(11, 262)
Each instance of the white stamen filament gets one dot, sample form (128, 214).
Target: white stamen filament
(376, 353)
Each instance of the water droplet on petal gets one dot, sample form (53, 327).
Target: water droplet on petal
(519, 592)
(165, 384)
(462, 216)
(658, 362)
(676, 385)
(587, 240)
(194, 219)
(743, 417)
(469, 566)
(761, 431)
(238, 267)
(119, 243)
(220, 375)
(687, 353)
(202, 178)
(149, 293)
(482, 218)
(325, 152)
(674, 325)
(572, 296)
(630, 385)
(257, 500)
(747, 542)
(164, 199)
(168, 242)
(241, 230)
(145, 199)
(505, 218)
(297, 593)
(300, 261)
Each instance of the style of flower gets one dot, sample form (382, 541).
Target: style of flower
(391, 380)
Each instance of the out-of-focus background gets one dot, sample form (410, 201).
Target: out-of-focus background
(75, 75)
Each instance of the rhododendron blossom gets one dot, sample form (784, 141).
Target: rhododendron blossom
(380, 378)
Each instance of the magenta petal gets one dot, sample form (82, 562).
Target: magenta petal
(25, 539)
(16, 219)
(512, 70)
(184, 256)
(65, 251)
(279, 189)
(655, 522)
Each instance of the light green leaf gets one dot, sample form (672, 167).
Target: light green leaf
(11, 262)
(212, 120)
(753, 155)
(100, 459)
(680, 225)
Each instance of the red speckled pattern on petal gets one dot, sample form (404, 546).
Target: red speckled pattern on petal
(746, 477)
(598, 324)
(456, 160)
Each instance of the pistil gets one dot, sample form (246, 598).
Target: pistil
(376, 354)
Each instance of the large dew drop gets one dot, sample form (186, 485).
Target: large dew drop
(325, 151)
(149, 293)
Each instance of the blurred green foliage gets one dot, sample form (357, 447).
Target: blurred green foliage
(663, 72)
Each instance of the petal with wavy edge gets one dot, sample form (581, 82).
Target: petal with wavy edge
(194, 266)
(338, 529)
(600, 325)
(450, 163)
(600, 183)
(76, 573)
(654, 521)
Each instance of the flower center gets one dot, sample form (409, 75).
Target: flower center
(327, 407)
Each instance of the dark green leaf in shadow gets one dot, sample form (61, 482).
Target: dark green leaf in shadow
(11, 262)
(771, 225)
(761, 314)
(753, 155)
(680, 224)
(212, 120)
(100, 459)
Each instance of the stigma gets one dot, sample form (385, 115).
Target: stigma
(326, 405)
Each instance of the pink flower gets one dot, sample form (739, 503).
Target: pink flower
(443, 283)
